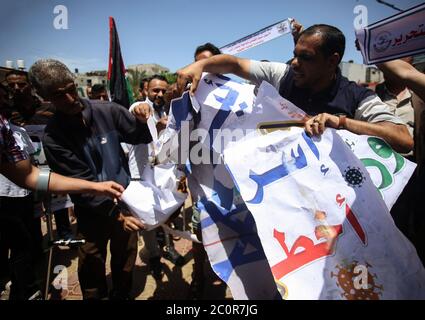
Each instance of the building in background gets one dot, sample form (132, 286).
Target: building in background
(86, 80)
(368, 76)
(419, 62)
(149, 69)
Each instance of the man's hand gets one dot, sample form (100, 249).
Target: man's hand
(162, 124)
(316, 125)
(142, 112)
(108, 188)
(297, 29)
(191, 73)
(130, 223)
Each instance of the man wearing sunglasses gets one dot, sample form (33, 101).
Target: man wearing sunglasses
(83, 140)
(314, 83)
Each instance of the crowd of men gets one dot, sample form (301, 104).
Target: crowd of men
(97, 140)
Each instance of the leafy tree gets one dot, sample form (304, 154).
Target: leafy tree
(171, 77)
(134, 77)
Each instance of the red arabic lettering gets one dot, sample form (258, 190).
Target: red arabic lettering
(310, 253)
(295, 260)
(340, 199)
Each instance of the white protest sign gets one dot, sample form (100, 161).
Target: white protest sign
(154, 199)
(266, 34)
(388, 170)
(398, 36)
(320, 219)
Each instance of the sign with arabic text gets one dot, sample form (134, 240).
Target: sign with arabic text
(398, 36)
(269, 33)
(325, 230)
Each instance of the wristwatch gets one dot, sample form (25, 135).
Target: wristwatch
(342, 121)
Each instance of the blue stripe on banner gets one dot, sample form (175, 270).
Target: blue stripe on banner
(223, 196)
(222, 77)
(245, 231)
(311, 144)
(180, 108)
(237, 257)
(227, 218)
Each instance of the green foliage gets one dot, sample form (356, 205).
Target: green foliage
(171, 77)
(134, 78)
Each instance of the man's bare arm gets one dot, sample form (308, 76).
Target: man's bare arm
(407, 74)
(24, 174)
(396, 135)
(219, 64)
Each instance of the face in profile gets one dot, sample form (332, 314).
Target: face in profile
(65, 98)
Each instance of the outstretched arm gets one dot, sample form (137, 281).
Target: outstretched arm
(407, 74)
(396, 135)
(24, 174)
(219, 64)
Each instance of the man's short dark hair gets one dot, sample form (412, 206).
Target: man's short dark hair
(333, 40)
(158, 77)
(207, 47)
(98, 88)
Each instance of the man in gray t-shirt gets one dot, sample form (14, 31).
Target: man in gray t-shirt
(314, 83)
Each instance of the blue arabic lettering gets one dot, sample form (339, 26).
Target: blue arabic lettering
(276, 173)
(287, 167)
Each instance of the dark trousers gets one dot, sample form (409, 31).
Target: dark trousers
(97, 229)
(63, 226)
(18, 232)
(409, 213)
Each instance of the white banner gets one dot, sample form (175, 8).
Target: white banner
(259, 37)
(398, 36)
(325, 229)
(228, 229)
(388, 170)
(230, 234)
(155, 198)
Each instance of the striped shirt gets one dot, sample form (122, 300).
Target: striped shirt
(10, 152)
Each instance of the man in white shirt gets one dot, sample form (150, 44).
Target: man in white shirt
(141, 155)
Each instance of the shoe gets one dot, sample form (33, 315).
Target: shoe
(155, 266)
(172, 255)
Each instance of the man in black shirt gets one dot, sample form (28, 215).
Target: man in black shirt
(83, 140)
